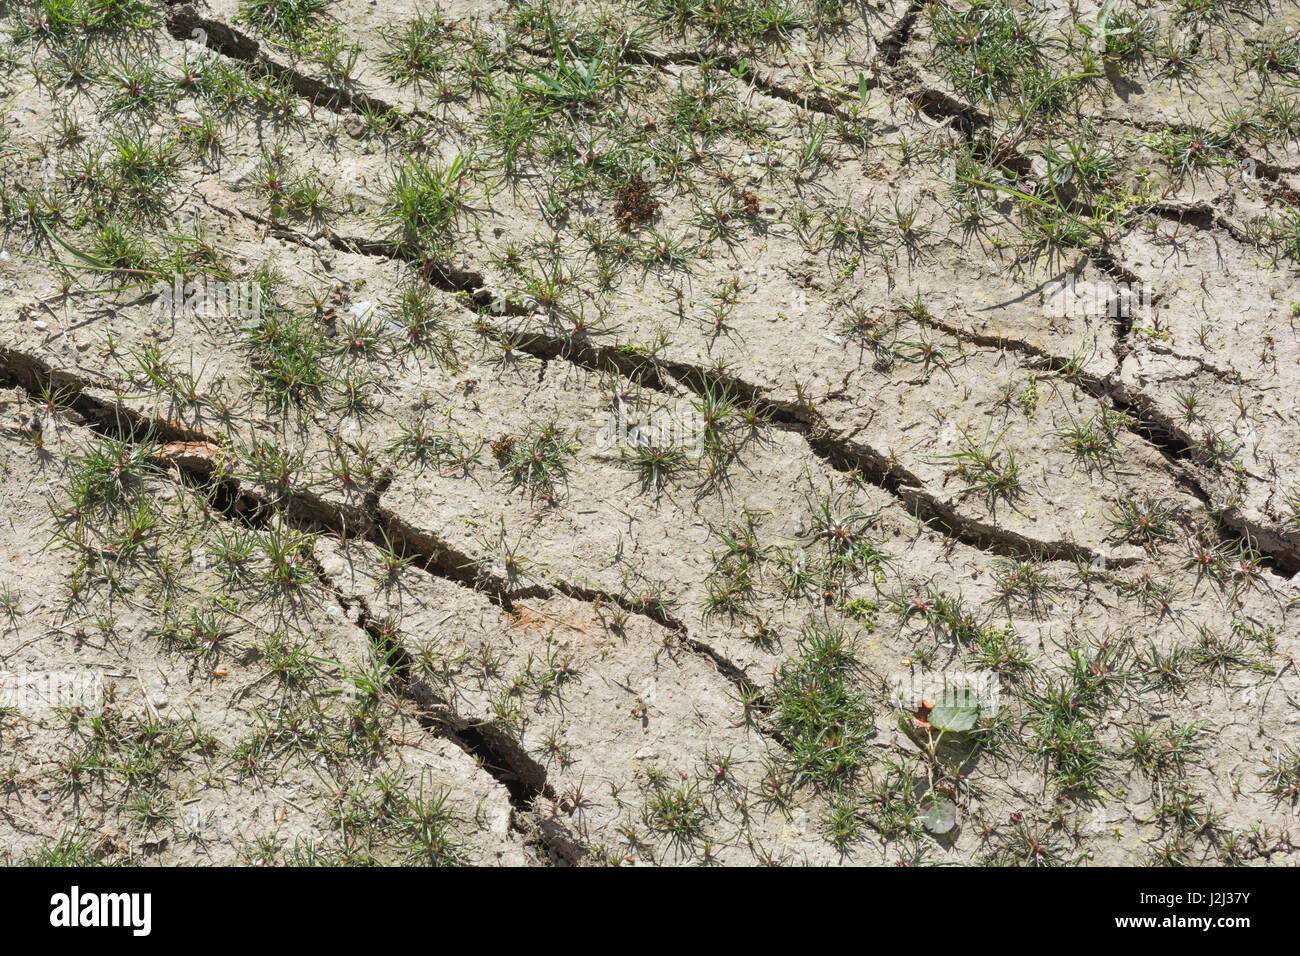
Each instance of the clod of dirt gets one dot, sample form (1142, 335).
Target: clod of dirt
(502, 447)
(747, 199)
(634, 205)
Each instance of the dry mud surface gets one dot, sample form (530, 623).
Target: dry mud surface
(526, 434)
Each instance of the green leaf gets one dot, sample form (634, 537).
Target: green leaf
(1062, 174)
(954, 718)
(938, 814)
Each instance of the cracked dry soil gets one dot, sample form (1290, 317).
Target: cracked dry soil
(553, 433)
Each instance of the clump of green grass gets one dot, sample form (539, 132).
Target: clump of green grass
(1148, 521)
(985, 48)
(707, 107)
(1275, 55)
(425, 830)
(1065, 715)
(141, 169)
(657, 465)
(110, 474)
(1082, 159)
(288, 355)
(1000, 649)
(678, 812)
(1126, 35)
(850, 552)
(537, 460)
(70, 849)
(819, 714)
(415, 51)
(986, 468)
(423, 202)
(1189, 149)
(1024, 843)
(283, 18)
(1165, 752)
(894, 797)
(121, 249)
(53, 21)
(419, 313)
(421, 444)
(337, 58)
(137, 86)
(745, 23)
(1282, 774)
(1067, 738)
(843, 821)
(570, 82)
(287, 192)
(1192, 13)
(1095, 441)
(728, 588)
(1286, 233)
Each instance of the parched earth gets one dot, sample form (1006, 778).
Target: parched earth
(550, 433)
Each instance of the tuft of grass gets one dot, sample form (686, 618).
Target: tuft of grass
(1024, 844)
(678, 812)
(70, 849)
(1192, 148)
(288, 353)
(817, 711)
(1274, 55)
(986, 468)
(570, 82)
(1066, 738)
(288, 19)
(423, 202)
(742, 23)
(1282, 774)
(986, 48)
(536, 461)
(425, 831)
(1095, 441)
(415, 51)
(1148, 521)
